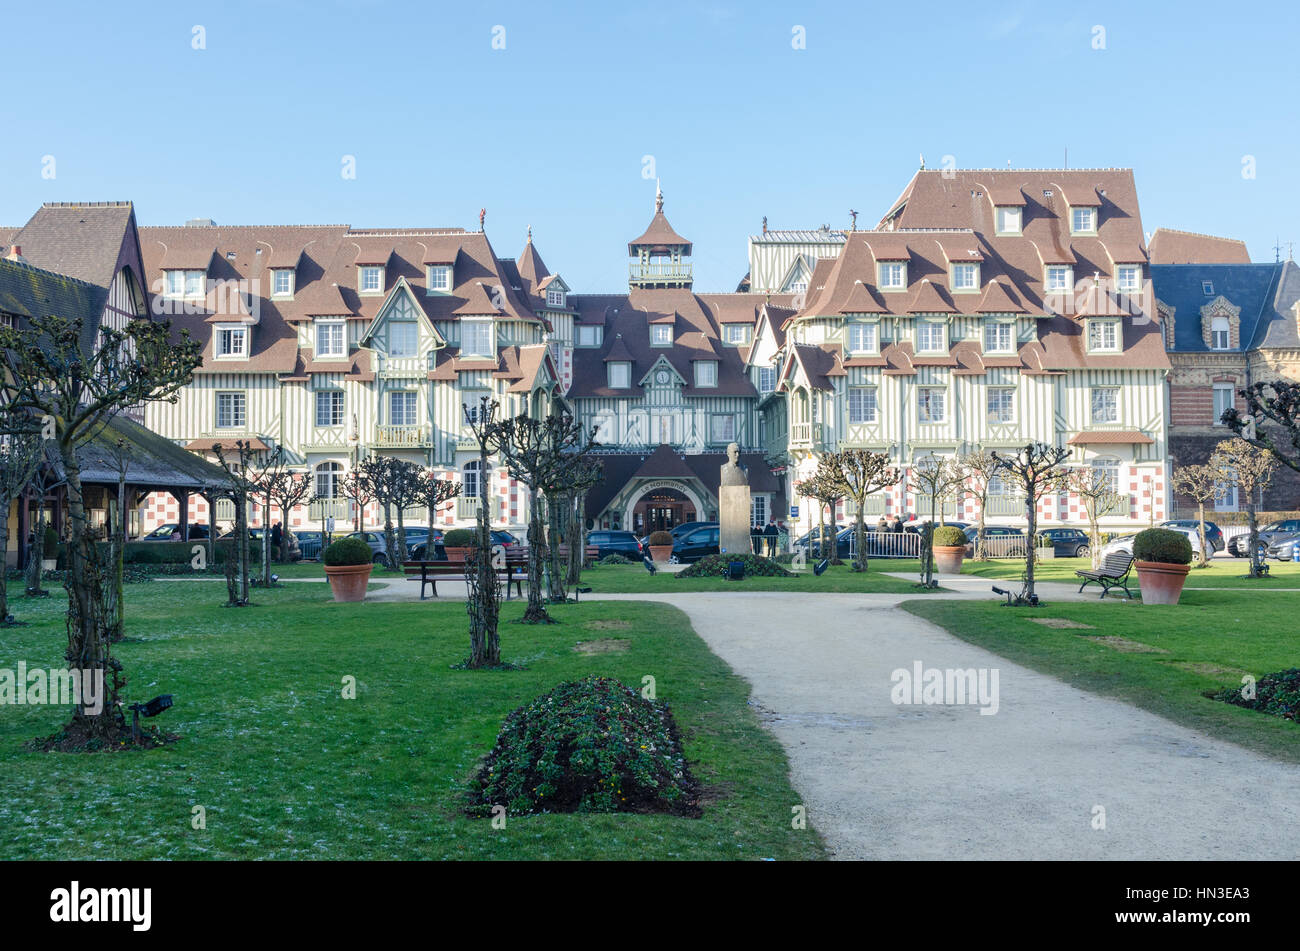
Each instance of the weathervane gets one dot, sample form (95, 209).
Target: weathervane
(854, 216)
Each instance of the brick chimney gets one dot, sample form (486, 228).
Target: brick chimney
(16, 254)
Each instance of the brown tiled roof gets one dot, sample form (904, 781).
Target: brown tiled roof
(660, 234)
(1187, 247)
(1110, 437)
(84, 240)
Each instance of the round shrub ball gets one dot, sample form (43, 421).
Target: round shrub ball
(949, 536)
(593, 745)
(1162, 545)
(661, 538)
(347, 551)
(460, 538)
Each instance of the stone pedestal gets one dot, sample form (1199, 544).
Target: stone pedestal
(733, 520)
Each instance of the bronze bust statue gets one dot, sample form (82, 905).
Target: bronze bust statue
(731, 472)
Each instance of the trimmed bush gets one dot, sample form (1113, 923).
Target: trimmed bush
(949, 536)
(1277, 693)
(50, 544)
(1163, 545)
(160, 553)
(460, 538)
(719, 566)
(615, 559)
(661, 538)
(593, 745)
(347, 551)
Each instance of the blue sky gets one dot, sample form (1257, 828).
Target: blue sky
(553, 129)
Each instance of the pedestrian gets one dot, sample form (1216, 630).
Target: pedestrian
(277, 536)
(770, 534)
(782, 537)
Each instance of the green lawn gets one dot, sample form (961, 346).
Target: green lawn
(1220, 573)
(1206, 642)
(286, 768)
(619, 579)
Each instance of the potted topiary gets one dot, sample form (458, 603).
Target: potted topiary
(50, 549)
(949, 547)
(459, 542)
(348, 566)
(661, 545)
(1162, 558)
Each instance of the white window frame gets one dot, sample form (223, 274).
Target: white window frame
(1220, 339)
(173, 283)
(410, 398)
(282, 273)
(766, 374)
(868, 398)
(926, 328)
(1064, 271)
(999, 329)
(332, 399)
(661, 335)
(1100, 327)
(727, 421)
(474, 332)
(858, 332)
(887, 271)
(437, 279)
(1219, 390)
(706, 373)
(1128, 278)
(594, 333)
(200, 279)
(1207, 288)
(1005, 395)
(1089, 226)
(389, 340)
(363, 273)
(326, 478)
(620, 375)
(242, 332)
(957, 285)
(922, 402)
(238, 400)
(730, 335)
(1005, 215)
(331, 325)
(1096, 391)
(554, 297)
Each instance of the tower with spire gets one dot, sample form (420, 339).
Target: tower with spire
(660, 257)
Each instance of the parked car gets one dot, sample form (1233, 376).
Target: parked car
(420, 548)
(1068, 542)
(1213, 534)
(677, 531)
(1003, 548)
(809, 543)
(1124, 544)
(1282, 547)
(1239, 547)
(615, 543)
(378, 545)
(164, 533)
(255, 543)
(310, 544)
(696, 544)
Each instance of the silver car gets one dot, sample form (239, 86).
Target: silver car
(1283, 547)
(1124, 544)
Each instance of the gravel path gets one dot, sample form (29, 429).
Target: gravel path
(882, 781)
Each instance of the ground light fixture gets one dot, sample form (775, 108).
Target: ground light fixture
(736, 570)
(821, 566)
(151, 709)
(649, 564)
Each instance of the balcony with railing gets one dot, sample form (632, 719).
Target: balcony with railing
(1007, 505)
(807, 435)
(402, 437)
(658, 271)
(467, 506)
(403, 368)
(320, 509)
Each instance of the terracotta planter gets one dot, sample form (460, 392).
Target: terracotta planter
(458, 554)
(348, 582)
(661, 552)
(947, 558)
(1161, 583)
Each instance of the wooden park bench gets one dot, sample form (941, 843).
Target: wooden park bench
(589, 553)
(1113, 573)
(428, 573)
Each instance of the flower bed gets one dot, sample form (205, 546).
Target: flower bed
(719, 566)
(1277, 693)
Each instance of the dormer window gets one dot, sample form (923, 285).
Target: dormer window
(1103, 336)
(232, 342)
(736, 334)
(892, 276)
(862, 338)
(438, 279)
(1083, 220)
(330, 339)
(661, 335)
(590, 336)
(371, 280)
(706, 373)
(185, 283)
(999, 337)
(476, 338)
(1219, 334)
(931, 337)
(554, 297)
(403, 338)
(620, 375)
(1207, 288)
(1128, 277)
(282, 282)
(965, 277)
(1008, 219)
(1059, 278)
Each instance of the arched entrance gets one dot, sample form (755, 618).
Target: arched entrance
(661, 505)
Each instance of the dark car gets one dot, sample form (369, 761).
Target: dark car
(1213, 534)
(1068, 542)
(696, 544)
(310, 544)
(255, 543)
(615, 543)
(677, 531)
(812, 547)
(1239, 546)
(164, 533)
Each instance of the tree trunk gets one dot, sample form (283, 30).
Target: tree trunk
(484, 604)
(536, 610)
(577, 535)
(400, 542)
(4, 562)
(390, 545)
(1254, 540)
(555, 588)
(36, 553)
(981, 549)
(1031, 520)
(1094, 536)
(266, 543)
(860, 535)
(1205, 549)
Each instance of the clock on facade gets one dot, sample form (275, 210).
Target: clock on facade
(661, 377)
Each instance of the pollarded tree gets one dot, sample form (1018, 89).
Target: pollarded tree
(243, 485)
(392, 483)
(826, 487)
(357, 488)
(1034, 469)
(74, 393)
(484, 602)
(287, 489)
(933, 480)
(573, 480)
(1271, 420)
(587, 476)
(1094, 489)
(862, 473)
(1249, 468)
(434, 493)
(408, 491)
(979, 470)
(1201, 484)
(20, 456)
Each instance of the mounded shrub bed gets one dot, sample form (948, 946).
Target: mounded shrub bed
(592, 745)
(719, 566)
(1277, 693)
